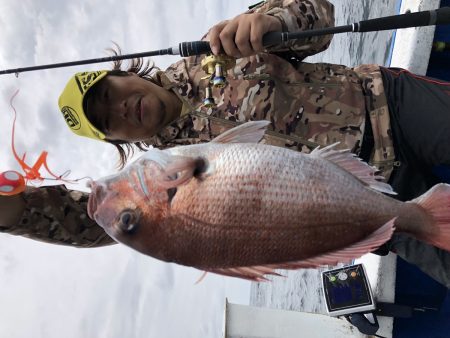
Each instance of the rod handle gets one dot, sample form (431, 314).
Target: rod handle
(439, 16)
(193, 48)
(272, 38)
(443, 16)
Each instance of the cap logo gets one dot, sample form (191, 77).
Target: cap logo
(84, 80)
(71, 117)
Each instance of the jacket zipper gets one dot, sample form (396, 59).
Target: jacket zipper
(268, 132)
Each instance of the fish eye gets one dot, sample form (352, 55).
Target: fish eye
(128, 221)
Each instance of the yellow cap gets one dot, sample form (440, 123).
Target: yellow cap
(71, 103)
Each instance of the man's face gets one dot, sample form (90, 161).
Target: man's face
(129, 108)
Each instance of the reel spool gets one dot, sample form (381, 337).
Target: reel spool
(216, 67)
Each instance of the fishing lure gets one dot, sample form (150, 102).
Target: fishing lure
(13, 182)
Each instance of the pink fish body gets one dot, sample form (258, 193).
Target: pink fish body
(239, 208)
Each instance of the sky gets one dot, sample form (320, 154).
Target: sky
(52, 291)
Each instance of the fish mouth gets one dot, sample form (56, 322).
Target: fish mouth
(97, 194)
(91, 207)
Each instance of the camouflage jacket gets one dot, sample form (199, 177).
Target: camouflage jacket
(58, 216)
(308, 104)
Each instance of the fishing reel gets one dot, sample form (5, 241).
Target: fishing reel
(215, 66)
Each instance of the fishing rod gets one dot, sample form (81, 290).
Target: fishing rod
(439, 16)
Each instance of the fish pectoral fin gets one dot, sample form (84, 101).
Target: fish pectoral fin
(249, 132)
(175, 169)
(354, 165)
(179, 171)
(253, 273)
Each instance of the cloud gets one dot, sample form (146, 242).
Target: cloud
(50, 291)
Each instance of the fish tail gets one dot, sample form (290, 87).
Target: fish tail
(436, 203)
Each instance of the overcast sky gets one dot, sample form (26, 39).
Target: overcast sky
(50, 291)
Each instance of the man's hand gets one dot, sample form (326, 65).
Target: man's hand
(242, 36)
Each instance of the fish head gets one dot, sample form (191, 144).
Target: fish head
(131, 204)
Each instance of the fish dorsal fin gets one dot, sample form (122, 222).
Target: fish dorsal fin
(368, 244)
(249, 132)
(354, 165)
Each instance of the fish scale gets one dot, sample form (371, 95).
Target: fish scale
(300, 194)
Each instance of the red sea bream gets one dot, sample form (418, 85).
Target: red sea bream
(239, 208)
